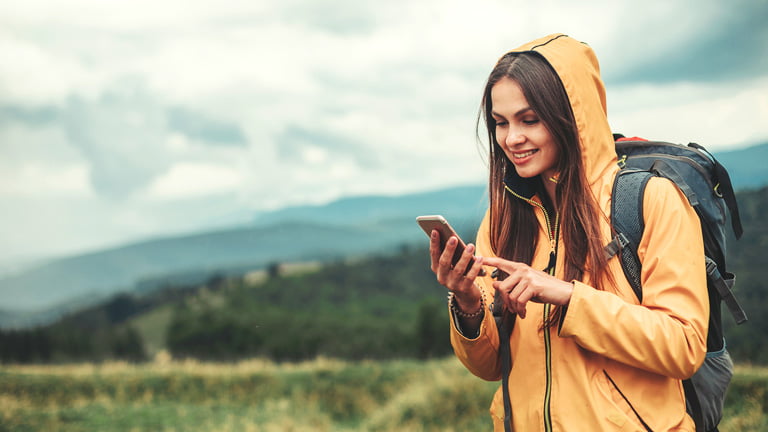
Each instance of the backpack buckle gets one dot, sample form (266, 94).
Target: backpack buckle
(623, 240)
(711, 267)
(622, 162)
(619, 242)
(716, 189)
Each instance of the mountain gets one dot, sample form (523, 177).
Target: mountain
(746, 167)
(381, 306)
(349, 226)
(344, 228)
(454, 203)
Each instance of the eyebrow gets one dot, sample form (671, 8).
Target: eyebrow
(519, 112)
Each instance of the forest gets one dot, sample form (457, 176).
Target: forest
(375, 307)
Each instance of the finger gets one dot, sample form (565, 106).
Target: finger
(503, 264)
(466, 282)
(520, 297)
(476, 268)
(444, 264)
(508, 284)
(462, 264)
(446, 257)
(434, 249)
(504, 295)
(510, 290)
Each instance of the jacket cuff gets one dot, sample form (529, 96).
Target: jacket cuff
(569, 321)
(464, 337)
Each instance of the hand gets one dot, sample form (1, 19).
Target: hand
(459, 279)
(525, 284)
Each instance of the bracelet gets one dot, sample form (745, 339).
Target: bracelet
(461, 314)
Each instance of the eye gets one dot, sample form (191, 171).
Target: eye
(531, 121)
(500, 123)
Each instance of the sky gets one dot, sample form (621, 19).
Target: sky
(126, 120)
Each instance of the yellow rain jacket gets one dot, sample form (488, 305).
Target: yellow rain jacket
(613, 364)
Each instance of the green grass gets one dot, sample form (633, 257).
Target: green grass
(746, 405)
(151, 326)
(322, 395)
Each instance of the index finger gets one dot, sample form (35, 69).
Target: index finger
(501, 263)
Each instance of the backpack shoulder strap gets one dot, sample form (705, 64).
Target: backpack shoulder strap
(505, 321)
(724, 188)
(627, 222)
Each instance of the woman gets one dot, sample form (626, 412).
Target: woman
(585, 354)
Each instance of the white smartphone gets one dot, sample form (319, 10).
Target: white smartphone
(439, 223)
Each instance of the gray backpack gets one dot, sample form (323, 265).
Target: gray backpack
(706, 184)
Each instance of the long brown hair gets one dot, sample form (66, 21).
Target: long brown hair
(513, 227)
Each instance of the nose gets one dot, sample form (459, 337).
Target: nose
(514, 138)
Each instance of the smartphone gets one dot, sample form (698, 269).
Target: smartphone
(439, 223)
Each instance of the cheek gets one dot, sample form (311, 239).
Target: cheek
(501, 137)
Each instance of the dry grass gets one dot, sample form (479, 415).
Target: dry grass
(259, 395)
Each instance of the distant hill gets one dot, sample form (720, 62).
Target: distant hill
(458, 203)
(747, 167)
(380, 306)
(344, 228)
(347, 227)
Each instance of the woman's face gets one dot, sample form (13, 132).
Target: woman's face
(520, 133)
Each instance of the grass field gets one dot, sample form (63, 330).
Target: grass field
(322, 395)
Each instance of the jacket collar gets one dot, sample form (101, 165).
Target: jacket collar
(525, 187)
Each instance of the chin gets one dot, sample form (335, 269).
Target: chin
(527, 173)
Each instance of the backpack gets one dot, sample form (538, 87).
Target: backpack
(707, 185)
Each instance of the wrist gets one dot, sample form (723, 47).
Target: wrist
(467, 308)
(468, 305)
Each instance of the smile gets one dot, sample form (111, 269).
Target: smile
(525, 154)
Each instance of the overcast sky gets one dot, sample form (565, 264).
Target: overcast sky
(123, 120)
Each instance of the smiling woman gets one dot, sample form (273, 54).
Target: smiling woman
(573, 346)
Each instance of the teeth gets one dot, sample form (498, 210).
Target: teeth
(526, 154)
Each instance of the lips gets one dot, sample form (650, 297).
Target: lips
(523, 155)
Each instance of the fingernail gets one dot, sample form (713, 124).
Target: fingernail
(452, 241)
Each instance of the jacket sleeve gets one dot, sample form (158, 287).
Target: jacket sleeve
(666, 334)
(481, 354)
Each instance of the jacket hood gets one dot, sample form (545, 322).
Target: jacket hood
(577, 66)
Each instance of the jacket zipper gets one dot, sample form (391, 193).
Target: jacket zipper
(553, 236)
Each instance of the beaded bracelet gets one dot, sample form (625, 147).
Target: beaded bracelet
(461, 314)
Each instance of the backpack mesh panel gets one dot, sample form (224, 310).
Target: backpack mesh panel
(628, 220)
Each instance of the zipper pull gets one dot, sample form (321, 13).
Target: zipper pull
(551, 265)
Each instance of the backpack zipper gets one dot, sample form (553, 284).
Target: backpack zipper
(693, 163)
(553, 236)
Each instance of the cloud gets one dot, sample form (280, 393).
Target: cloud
(146, 111)
(124, 140)
(343, 17)
(34, 179)
(715, 115)
(34, 115)
(297, 144)
(188, 180)
(121, 135)
(206, 130)
(711, 43)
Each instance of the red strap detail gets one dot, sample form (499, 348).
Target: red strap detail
(631, 139)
